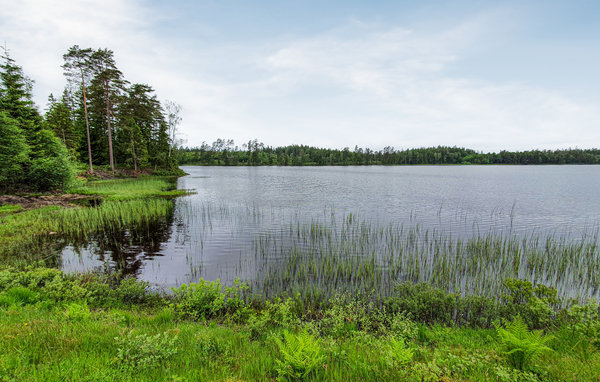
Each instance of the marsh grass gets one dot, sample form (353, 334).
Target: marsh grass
(133, 204)
(358, 256)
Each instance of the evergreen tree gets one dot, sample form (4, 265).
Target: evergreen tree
(15, 96)
(77, 68)
(14, 153)
(110, 80)
(60, 121)
(43, 159)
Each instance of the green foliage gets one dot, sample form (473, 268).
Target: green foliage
(10, 209)
(31, 157)
(346, 316)
(79, 291)
(584, 321)
(224, 152)
(59, 119)
(17, 296)
(77, 311)
(536, 305)
(423, 302)
(128, 189)
(275, 314)
(521, 346)
(140, 351)
(301, 356)
(397, 355)
(205, 300)
(51, 168)
(14, 158)
(63, 327)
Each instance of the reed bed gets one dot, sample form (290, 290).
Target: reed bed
(33, 234)
(360, 256)
(279, 252)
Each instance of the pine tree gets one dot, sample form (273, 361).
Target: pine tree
(60, 121)
(78, 68)
(110, 79)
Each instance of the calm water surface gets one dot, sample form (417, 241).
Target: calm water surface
(216, 232)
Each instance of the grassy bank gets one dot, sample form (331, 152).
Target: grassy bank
(120, 203)
(58, 327)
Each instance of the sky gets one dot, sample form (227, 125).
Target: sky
(509, 75)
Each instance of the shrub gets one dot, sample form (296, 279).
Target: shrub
(52, 168)
(276, 313)
(536, 305)
(521, 346)
(130, 291)
(476, 311)
(78, 311)
(424, 303)
(206, 299)
(403, 327)
(14, 152)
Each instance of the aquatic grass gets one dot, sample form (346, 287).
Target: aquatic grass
(132, 203)
(31, 233)
(367, 258)
(279, 253)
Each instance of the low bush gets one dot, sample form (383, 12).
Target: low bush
(205, 300)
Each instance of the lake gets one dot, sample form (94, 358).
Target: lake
(248, 222)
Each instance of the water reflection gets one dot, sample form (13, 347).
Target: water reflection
(251, 223)
(123, 252)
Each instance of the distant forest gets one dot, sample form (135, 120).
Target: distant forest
(224, 152)
(99, 119)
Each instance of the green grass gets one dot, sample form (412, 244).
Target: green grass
(124, 203)
(55, 327)
(130, 188)
(8, 209)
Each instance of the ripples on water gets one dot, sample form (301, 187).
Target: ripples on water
(465, 227)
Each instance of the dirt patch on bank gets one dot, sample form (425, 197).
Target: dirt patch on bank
(30, 202)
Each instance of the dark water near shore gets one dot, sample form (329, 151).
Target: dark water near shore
(237, 212)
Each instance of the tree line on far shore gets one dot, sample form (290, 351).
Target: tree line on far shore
(224, 152)
(100, 119)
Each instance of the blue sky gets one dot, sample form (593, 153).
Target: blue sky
(488, 75)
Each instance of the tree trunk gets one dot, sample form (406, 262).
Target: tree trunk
(110, 147)
(87, 125)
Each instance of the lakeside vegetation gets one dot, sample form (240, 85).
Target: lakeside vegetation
(326, 316)
(358, 256)
(224, 152)
(90, 327)
(119, 204)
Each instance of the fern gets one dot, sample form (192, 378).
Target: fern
(301, 356)
(520, 345)
(397, 355)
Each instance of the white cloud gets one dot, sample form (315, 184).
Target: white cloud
(371, 85)
(398, 89)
